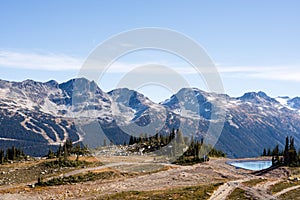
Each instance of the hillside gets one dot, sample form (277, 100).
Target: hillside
(36, 116)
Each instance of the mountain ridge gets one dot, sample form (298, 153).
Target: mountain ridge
(44, 112)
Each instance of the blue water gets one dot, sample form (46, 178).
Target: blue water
(252, 164)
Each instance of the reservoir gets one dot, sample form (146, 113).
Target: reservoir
(252, 164)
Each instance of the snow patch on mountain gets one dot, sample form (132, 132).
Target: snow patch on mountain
(284, 102)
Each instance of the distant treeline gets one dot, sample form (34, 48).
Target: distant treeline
(158, 140)
(198, 152)
(12, 154)
(288, 156)
(187, 151)
(67, 149)
(63, 152)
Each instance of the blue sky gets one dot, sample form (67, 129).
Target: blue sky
(254, 44)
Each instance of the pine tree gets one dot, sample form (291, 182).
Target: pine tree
(157, 137)
(2, 156)
(275, 150)
(292, 152)
(275, 154)
(65, 153)
(50, 154)
(264, 152)
(286, 151)
(13, 153)
(131, 140)
(69, 145)
(202, 140)
(269, 152)
(59, 153)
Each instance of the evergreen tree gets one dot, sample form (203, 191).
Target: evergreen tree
(131, 140)
(77, 150)
(292, 152)
(264, 152)
(13, 153)
(59, 151)
(286, 151)
(171, 136)
(2, 156)
(275, 151)
(157, 137)
(269, 152)
(65, 153)
(50, 154)
(275, 155)
(69, 145)
(290, 155)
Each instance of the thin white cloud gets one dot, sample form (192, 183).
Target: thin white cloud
(279, 73)
(32, 60)
(60, 62)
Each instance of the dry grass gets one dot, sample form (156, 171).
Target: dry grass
(295, 171)
(254, 182)
(184, 193)
(29, 171)
(283, 185)
(90, 159)
(80, 178)
(293, 194)
(239, 194)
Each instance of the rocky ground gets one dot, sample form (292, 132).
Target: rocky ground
(144, 173)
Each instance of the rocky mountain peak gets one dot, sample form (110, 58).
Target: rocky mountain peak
(294, 103)
(257, 97)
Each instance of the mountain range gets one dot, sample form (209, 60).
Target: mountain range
(37, 116)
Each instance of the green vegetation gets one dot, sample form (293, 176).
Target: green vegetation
(62, 155)
(11, 154)
(157, 141)
(286, 157)
(67, 149)
(66, 163)
(197, 153)
(293, 194)
(90, 176)
(185, 193)
(295, 171)
(290, 156)
(283, 185)
(31, 170)
(63, 152)
(254, 182)
(172, 144)
(188, 152)
(239, 193)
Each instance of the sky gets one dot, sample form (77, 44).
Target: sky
(255, 44)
